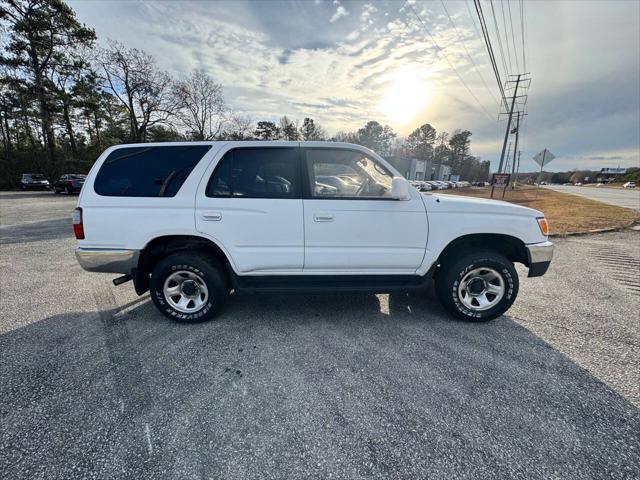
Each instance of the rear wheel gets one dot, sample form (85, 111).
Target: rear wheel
(189, 287)
(479, 286)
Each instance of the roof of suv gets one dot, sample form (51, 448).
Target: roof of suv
(248, 143)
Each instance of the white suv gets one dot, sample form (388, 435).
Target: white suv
(193, 222)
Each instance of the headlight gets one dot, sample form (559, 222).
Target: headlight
(544, 226)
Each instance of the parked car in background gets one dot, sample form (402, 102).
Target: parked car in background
(69, 183)
(421, 185)
(34, 181)
(629, 185)
(192, 222)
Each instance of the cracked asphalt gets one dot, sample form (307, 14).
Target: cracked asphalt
(94, 383)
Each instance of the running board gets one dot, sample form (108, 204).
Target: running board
(326, 283)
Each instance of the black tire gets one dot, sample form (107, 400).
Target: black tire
(210, 272)
(67, 190)
(453, 271)
(56, 191)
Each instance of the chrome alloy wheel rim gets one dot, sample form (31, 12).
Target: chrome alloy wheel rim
(481, 289)
(185, 291)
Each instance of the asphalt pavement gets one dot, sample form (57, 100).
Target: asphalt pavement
(627, 198)
(94, 383)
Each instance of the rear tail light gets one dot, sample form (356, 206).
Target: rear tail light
(78, 229)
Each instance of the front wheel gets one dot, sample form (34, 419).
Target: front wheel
(479, 286)
(189, 287)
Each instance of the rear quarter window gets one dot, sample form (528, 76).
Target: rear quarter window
(147, 171)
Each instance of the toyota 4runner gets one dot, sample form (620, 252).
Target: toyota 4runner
(194, 222)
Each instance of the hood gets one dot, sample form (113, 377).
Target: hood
(457, 203)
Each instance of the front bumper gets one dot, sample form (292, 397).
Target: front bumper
(539, 255)
(107, 260)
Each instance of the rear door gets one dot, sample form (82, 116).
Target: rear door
(251, 204)
(352, 225)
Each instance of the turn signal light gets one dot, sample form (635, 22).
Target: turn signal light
(78, 228)
(544, 226)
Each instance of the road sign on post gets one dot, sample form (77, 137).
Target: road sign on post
(542, 159)
(499, 180)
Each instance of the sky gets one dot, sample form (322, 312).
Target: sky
(344, 63)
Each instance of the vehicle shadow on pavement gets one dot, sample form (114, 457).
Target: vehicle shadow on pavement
(36, 231)
(25, 195)
(347, 386)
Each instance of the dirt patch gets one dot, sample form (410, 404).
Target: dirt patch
(566, 213)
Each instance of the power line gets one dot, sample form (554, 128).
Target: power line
(448, 61)
(495, 23)
(524, 57)
(513, 38)
(464, 44)
(506, 36)
(487, 41)
(472, 20)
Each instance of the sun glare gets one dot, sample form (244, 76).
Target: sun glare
(406, 96)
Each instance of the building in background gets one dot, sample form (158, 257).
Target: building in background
(607, 175)
(413, 168)
(419, 170)
(441, 172)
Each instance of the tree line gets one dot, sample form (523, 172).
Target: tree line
(63, 100)
(582, 176)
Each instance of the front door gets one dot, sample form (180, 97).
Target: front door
(252, 206)
(352, 225)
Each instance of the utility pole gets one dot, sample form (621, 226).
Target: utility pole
(507, 161)
(515, 149)
(518, 167)
(506, 133)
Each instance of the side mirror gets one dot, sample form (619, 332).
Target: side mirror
(400, 189)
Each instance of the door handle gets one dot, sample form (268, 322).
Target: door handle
(212, 216)
(323, 217)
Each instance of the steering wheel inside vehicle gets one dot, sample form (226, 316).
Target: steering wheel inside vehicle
(363, 187)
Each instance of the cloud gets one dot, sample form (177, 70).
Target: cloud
(367, 11)
(583, 101)
(353, 36)
(339, 13)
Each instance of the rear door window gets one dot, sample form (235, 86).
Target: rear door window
(257, 173)
(157, 171)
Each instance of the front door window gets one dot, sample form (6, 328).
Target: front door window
(338, 173)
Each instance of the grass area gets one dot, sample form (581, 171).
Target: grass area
(566, 213)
